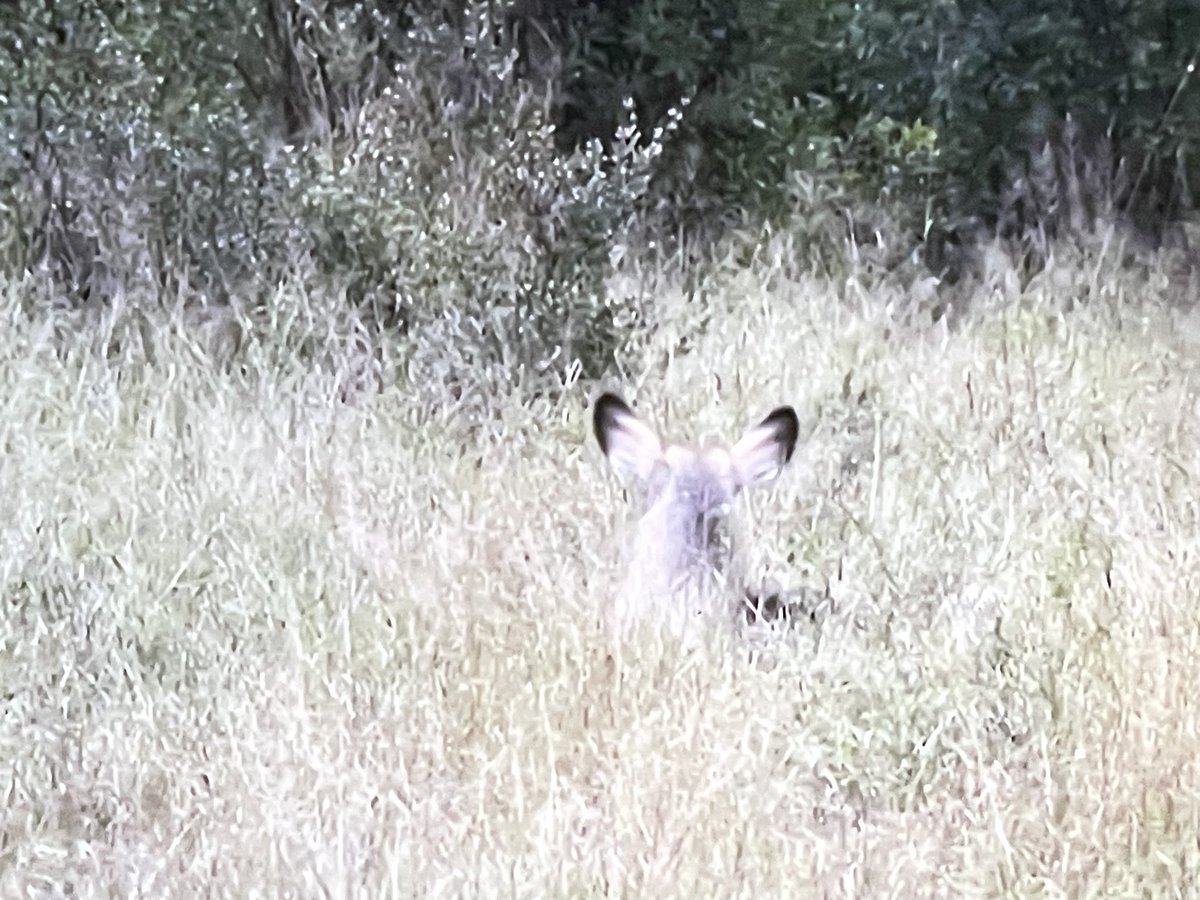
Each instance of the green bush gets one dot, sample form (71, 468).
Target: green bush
(999, 82)
(751, 70)
(397, 162)
(480, 164)
(131, 153)
(945, 108)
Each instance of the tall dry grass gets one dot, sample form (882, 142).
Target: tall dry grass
(266, 637)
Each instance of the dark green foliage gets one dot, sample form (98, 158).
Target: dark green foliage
(385, 156)
(435, 159)
(945, 106)
(999, 81)
(133, 151)
(752, 70)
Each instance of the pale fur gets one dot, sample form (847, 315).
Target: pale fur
(680, 564)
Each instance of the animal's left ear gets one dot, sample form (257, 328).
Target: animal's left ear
(631, 446)
(765, 449)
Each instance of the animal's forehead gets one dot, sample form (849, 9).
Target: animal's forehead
(686, 462)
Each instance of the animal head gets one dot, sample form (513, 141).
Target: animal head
(681, 540)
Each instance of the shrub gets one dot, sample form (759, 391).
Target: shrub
(134, 166)
(945, 108)
(396, 161)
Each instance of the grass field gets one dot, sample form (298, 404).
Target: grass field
(264, 636)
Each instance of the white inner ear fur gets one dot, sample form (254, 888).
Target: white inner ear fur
(760, 455)
(633, 449)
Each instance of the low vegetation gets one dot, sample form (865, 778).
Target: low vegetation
(272, 629)
(308, 547)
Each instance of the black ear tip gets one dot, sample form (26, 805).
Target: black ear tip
(604, 414)
(787, 426)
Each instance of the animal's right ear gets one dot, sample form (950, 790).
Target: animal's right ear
(631, 446)
(766, 448)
